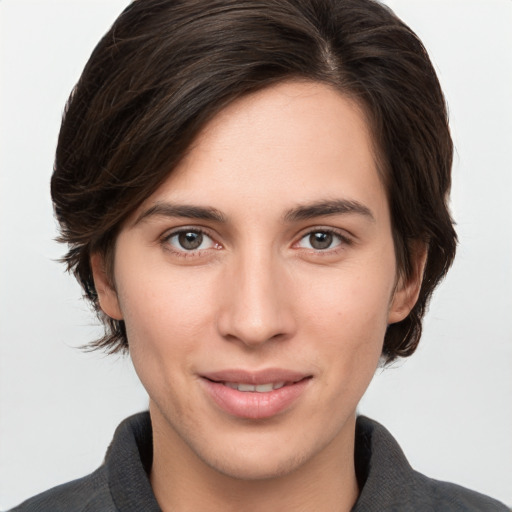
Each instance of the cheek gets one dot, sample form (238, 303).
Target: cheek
(355, 301)
(346, 314)
(163, 330)
(165, 320)
(160, 306)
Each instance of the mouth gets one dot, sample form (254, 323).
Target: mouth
(266, 387)
(260, 388)
(255, 395)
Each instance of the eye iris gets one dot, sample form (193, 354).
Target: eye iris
(190, 240)
(320, 240)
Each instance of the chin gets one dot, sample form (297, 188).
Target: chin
(256, 469)
(263, 456)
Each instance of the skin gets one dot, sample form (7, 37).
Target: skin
(257, 294)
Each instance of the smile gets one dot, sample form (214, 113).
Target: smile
(255, 395)
(260, 388)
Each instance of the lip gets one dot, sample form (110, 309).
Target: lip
(255, 377)
(255, 405)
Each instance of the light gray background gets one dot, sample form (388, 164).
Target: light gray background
(449, 406)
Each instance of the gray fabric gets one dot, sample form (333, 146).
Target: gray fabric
(121, 484)
(388, 482)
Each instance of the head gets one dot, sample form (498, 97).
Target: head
(166, 69)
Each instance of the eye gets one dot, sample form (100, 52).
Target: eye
(321, 240)
(189, 240)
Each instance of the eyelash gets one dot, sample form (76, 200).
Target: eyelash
(184, 253)
(343, 239)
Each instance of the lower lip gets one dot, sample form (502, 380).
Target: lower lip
(254, 405)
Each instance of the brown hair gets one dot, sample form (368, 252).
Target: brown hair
(166, 67)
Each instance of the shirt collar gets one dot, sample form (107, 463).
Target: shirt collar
(385, 478)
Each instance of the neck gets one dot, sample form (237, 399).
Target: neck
(182, 482)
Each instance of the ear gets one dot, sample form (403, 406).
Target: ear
(407, 290)
(107, 295)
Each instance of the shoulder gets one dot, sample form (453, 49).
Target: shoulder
(87, 494)
(453, 497)
(120, 483)
(389, 483)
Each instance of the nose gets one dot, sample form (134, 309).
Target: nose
(257, 301)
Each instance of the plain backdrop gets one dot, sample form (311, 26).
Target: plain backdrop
(449, 406)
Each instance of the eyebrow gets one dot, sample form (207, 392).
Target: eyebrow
(181, 210)
(328, 207)
(299, 213)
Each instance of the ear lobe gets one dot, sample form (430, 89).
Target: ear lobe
(107, 296)
(407, 291)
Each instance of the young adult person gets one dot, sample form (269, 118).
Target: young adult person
(254, 194)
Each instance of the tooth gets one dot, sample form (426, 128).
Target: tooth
(260, 388)
(246, 387)
(264, 388)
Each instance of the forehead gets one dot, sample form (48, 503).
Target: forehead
(291, 143)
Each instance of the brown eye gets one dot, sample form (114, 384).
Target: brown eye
(189, 240)
(321, 240)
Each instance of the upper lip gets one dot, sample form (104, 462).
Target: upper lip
(255, 377)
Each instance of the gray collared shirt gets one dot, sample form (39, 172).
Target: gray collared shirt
(387, 481)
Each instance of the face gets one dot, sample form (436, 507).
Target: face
(257, 283)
